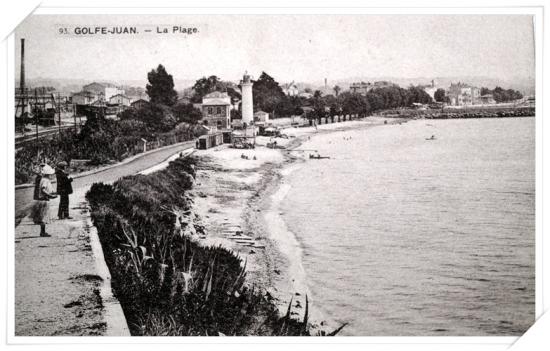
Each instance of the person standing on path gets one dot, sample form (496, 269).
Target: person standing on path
(36, 195)
(41, 206)
(64, 189)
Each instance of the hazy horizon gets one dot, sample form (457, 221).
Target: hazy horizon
(302, 48)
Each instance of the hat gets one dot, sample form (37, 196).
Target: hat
(47, 170)
(62, 164)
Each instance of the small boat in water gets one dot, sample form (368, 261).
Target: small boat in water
(317, 157)
(431, 138)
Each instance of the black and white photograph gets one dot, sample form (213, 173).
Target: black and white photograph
(275, 175)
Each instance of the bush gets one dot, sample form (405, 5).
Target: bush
(167, 283)
(98, 142)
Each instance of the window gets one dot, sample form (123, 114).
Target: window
(210, 110)
(218, 110)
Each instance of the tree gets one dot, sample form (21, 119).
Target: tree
(187, 113)
(161, 87)
(485, 91)
(439, 95)
(417, 95)
(337, 90)
(267, 93)
(501, 95)
(205, 86)
(236, 114)
(155, 117)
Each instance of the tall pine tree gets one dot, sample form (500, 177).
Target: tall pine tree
(161, 87)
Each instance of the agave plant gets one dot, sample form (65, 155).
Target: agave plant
(167, 283)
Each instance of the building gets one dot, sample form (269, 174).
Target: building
(461, 94)
(291, 89)
(430, 89)
(119, 99)
(261, 116)
(487, 99)
(84, 98)
(361, 88)
(104, 90)
(364, 87)
(305, 95)
(216, 108)
(139, 103)
(247, 102)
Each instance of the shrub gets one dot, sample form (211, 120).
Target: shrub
(167, 283)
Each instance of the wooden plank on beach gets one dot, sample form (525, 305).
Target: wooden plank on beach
(245, 238)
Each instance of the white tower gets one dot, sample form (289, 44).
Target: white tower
(247, 104)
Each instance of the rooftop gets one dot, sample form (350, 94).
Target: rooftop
(215, 102)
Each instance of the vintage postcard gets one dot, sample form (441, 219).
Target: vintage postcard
(284, 174)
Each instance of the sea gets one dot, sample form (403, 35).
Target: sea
(404, 236)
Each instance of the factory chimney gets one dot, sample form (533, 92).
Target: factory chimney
(22, 77)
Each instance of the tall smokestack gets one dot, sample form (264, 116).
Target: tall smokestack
(22, 77)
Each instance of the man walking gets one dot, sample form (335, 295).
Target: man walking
(64, 189)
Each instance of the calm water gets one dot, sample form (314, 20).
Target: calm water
(404, 236)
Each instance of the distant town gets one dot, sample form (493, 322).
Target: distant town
(226, 98)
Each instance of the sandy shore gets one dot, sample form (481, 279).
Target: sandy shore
(238, 202)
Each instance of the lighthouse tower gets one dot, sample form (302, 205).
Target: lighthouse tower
(247, 104)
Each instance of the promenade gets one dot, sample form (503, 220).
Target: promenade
(61, 283)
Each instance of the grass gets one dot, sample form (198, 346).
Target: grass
(167, 283)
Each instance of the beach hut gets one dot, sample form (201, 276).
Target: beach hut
(207, 141)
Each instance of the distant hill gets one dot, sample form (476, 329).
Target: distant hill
(524, 85)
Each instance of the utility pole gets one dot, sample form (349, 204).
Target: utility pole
(36, 115)
(74, 116)
(59, 112)
(22, 78)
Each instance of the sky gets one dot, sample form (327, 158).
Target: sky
(302, 48)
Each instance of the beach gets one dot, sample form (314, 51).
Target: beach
(286, 221)
(236, 195)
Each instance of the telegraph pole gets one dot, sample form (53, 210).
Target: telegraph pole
(59, 112)
(22, 78)
(74, 116)
(36, 115)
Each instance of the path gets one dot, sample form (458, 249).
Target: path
(24, 196)
(58, 280)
